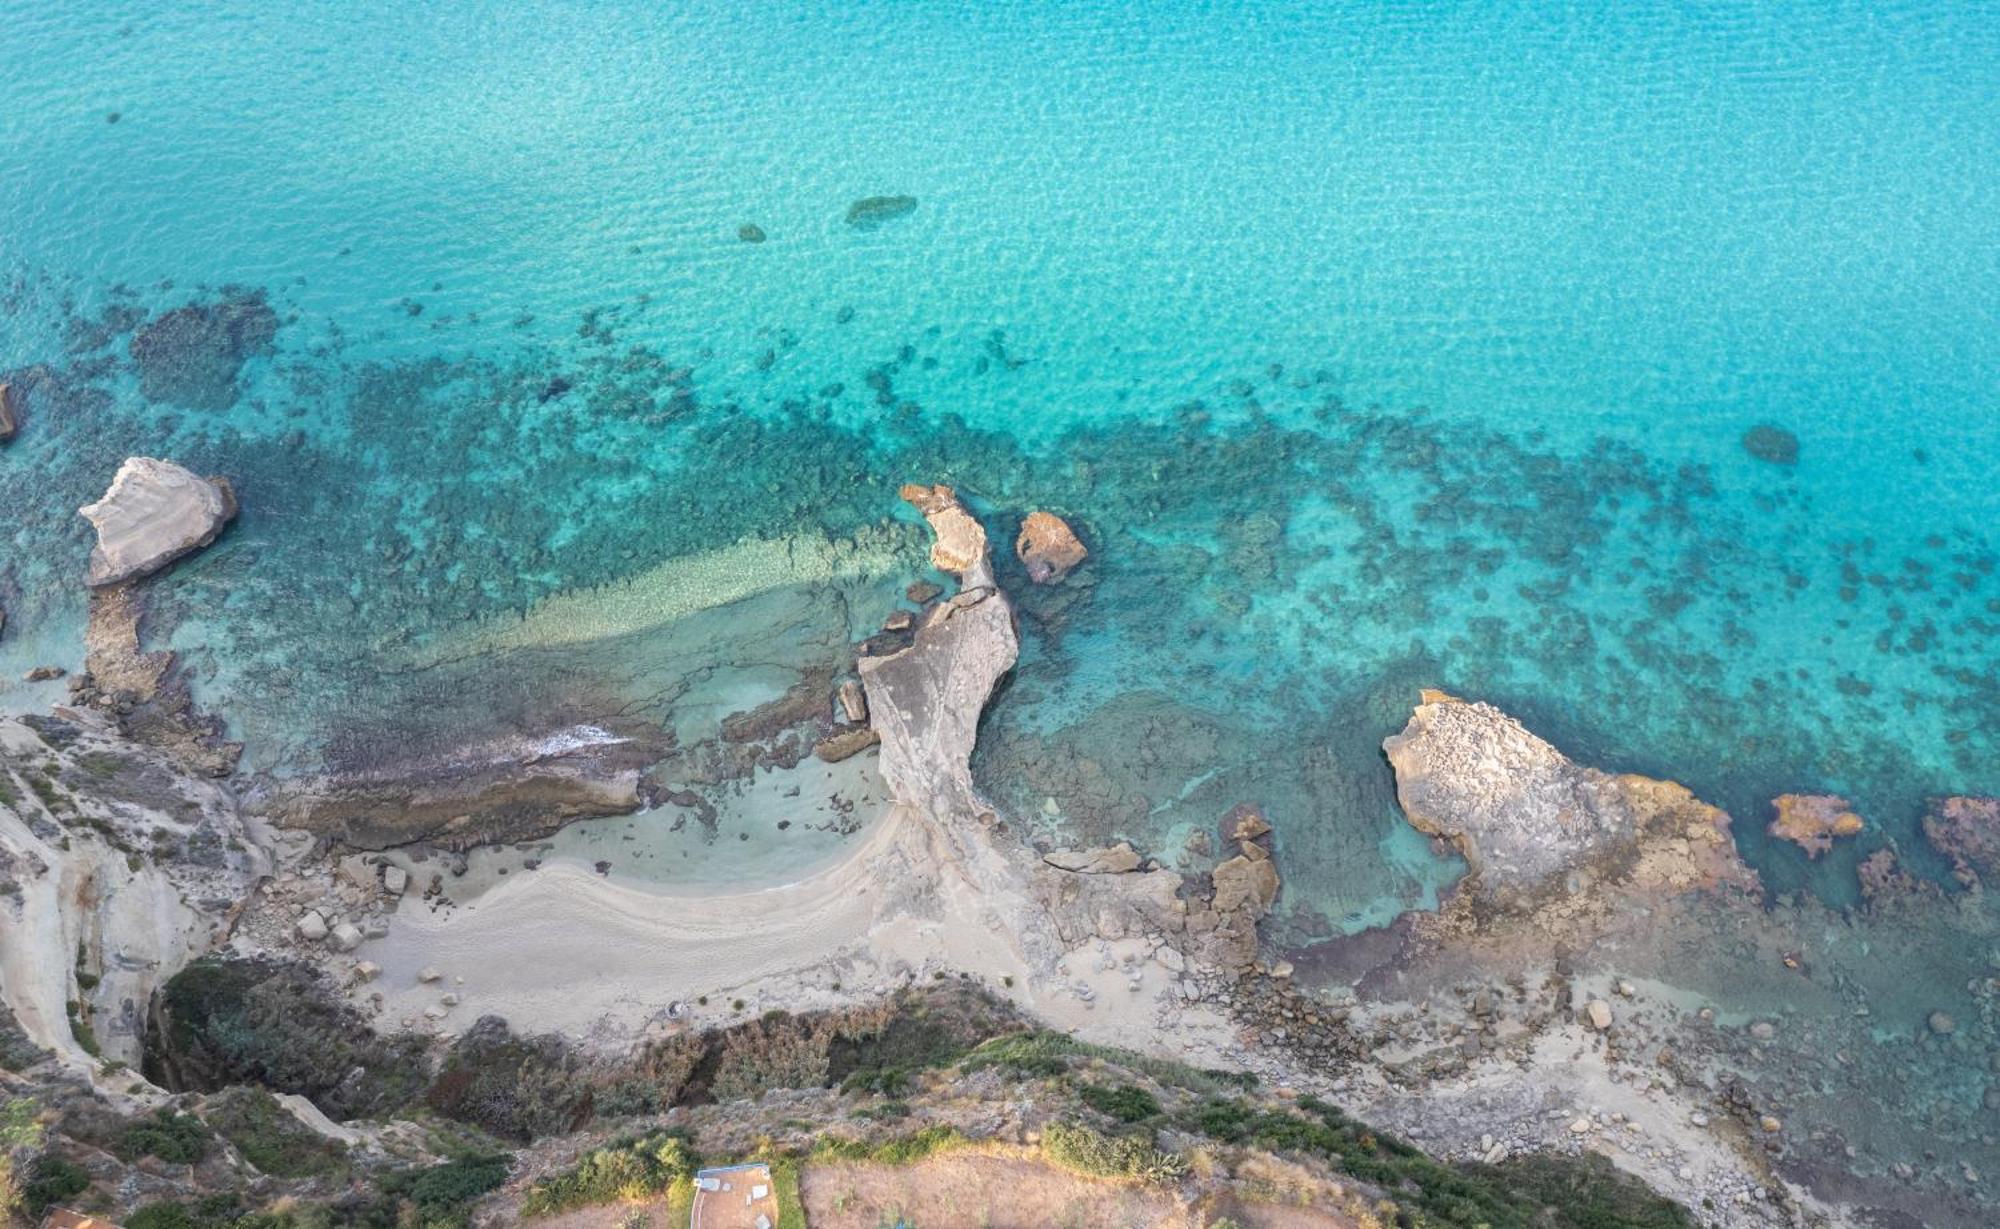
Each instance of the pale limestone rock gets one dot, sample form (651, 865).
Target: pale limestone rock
(153, 513)
(1598, 1012)
(853, 701)
(312, 927)
(395, 880)
(347, 936)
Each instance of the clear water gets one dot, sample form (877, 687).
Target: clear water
(1371, 347)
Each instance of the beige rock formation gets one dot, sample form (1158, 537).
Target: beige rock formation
(1049, 548)
(153, 513)
(1527, 820)
(959, 545)
(10, 412)
(1109, 860)
(1813, 821)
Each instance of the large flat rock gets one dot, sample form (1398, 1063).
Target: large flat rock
(153, 513)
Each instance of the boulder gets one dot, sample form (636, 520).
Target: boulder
(395, 880)
(846, 744)
(10, 412)
(1048, 547)
(1524, 816)
(1245, 823)
(959, 545)
(153, 513)
(312, 927)
(347, 936)
(853, 701)
(1246, 885)
(1598, 1013)
(1812, 821)
(1109, 860)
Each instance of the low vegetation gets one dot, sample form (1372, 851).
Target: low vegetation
(1083, 1150)
(646, 1167)
(270, 1137)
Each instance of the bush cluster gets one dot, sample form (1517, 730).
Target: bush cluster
(167, 1134)
(640, 1168)
(271, 1137)
(1082, 1150)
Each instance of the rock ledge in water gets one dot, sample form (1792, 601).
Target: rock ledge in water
(871, 211)
(153, 513)
(1812, 821)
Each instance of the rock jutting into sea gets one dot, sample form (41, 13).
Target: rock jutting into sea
(1049, 548)
(153, 513)
(959, 542)
(1813, 821)
(1529, 822)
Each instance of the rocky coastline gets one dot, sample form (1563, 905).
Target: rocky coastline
(1521, 1018)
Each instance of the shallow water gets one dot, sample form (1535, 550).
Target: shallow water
(1373, 348)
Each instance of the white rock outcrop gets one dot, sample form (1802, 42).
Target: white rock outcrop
(153, 513)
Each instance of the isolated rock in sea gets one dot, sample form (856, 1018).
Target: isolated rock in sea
(871, 211)
(1966, 830)
(192, 355)
(960, 541)
(10, 412)
(1048, 547)
(1772, 444)
(1812, 821)
(1525, 817)
(1110, 860)
(153, 513)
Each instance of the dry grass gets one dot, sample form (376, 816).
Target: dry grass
(994, 1187)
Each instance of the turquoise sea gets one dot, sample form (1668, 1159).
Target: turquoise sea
(1370, 346)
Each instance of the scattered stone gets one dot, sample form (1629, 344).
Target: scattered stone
(1772, 444)
(449, 999)
(312, 927)
(153, 513)
(347, 936)
(395, 880)
(367, 970)
(1048, 547)
(1770, 1125)
(871, 211)
(428, 975)
(1813, 821)
(1598, 1012)
(750, 232)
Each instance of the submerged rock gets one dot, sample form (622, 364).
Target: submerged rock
(10, 412)
(1966, 830)
(1525, 817)
(871, 211)
(1771, 444)
(1812, 821)
(153, 513)
(750, 232)
(1048, 547)
(192, 355)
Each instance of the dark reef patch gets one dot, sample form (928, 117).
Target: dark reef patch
(871, 211)
(1772, 444)
(191, 356)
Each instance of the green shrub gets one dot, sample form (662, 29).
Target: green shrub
(901, 1150)
(633, 1169)
(270, 1136)
(53, 1180)
(167, 1134)
(442, 1195)
(518, 1088)
(1082, 1150)
(276, 1025)
(1125, 1102)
